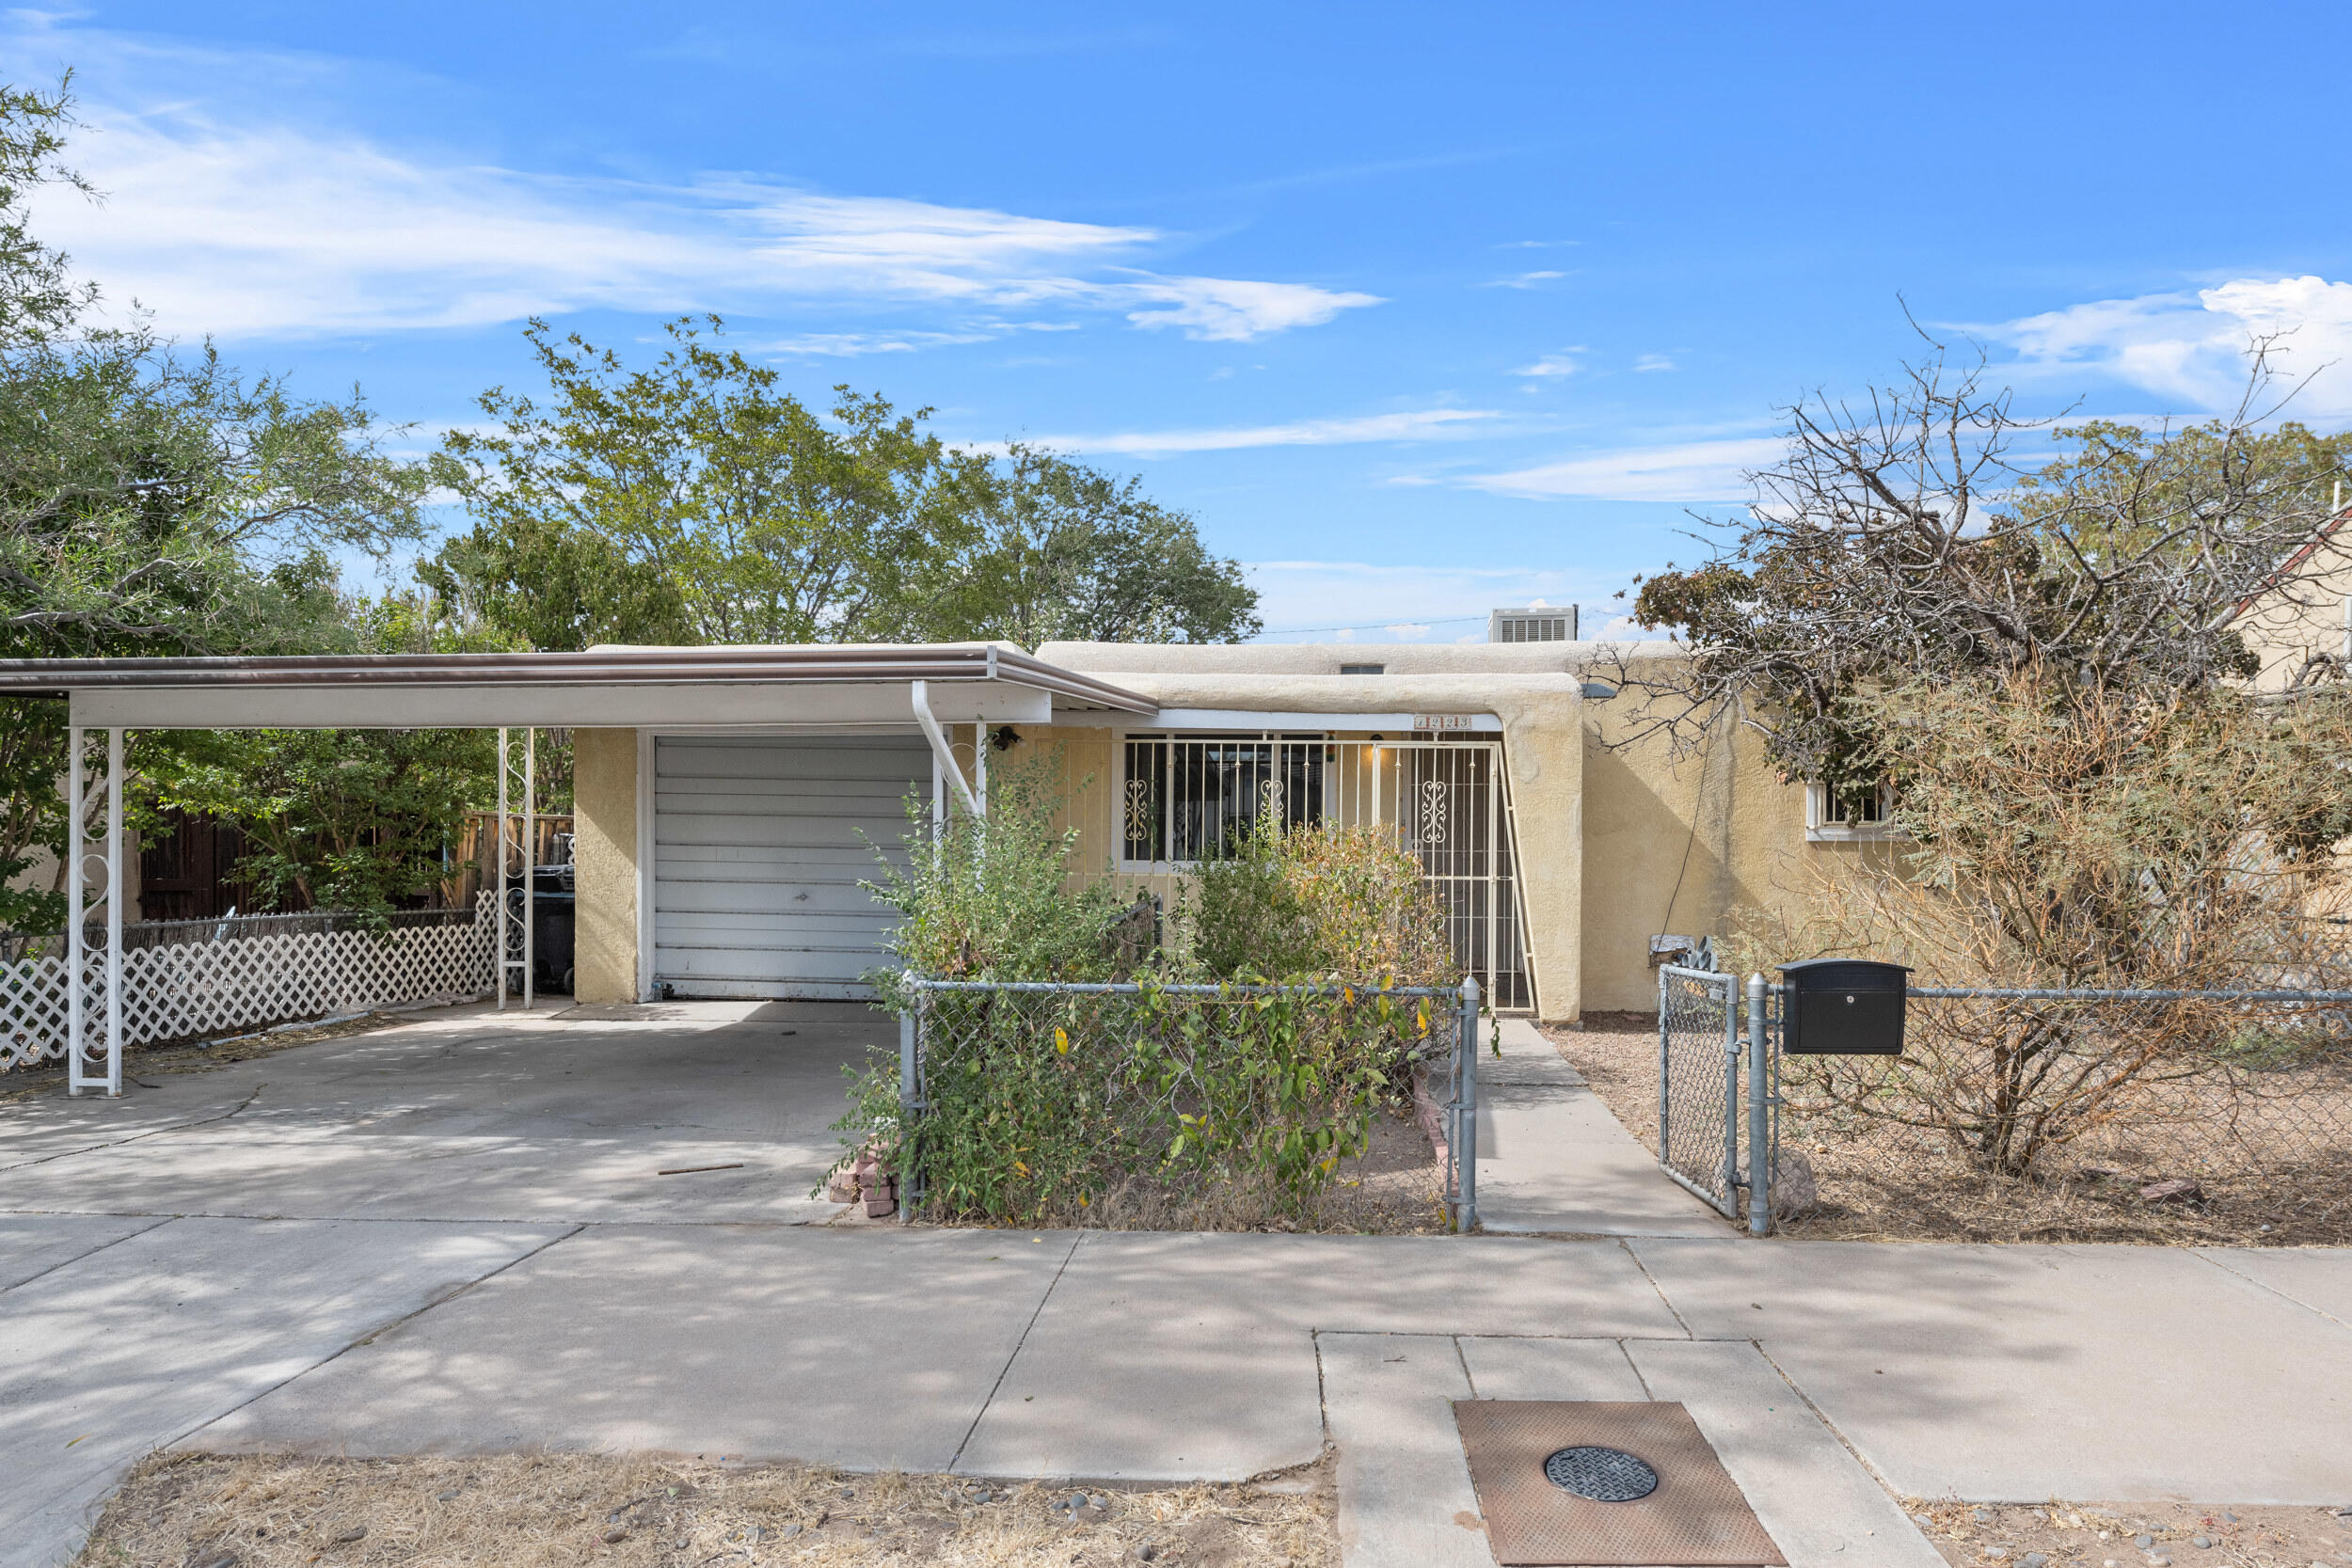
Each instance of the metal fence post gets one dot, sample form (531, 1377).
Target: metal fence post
(1731, 1090)
(1665, 1074)
(909, 1103)
(1759, 1113)
(1466, 1114)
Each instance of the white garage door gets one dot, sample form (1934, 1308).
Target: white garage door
(758, 848)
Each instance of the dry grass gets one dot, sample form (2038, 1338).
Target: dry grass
(1882, 1182)
(1395, 1188)
(536, 1510)
(2242, 1535)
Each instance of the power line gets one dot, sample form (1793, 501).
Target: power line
(1358, 626)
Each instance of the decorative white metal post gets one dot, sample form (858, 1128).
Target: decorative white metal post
(77, 859)
(517, 844)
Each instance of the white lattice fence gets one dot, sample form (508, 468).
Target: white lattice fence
(188, 989)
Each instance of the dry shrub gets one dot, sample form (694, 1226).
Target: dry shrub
(2063, 838)
(536, 1510)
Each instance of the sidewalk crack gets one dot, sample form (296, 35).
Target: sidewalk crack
(152, 1133)
(380, 1329)
(1006, 1371)
(2265, 1285)
(1667, 1301)
(159, 1221)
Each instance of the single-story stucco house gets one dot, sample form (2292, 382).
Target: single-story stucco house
(726, 798)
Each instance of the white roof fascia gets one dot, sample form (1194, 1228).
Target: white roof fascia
(1251, 719)
(719, 704)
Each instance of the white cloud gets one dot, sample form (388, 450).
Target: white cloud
(2191, 347)
(1305, 600)
(1225, 309)
(285, 232)
(1420, 424)
(1653, 362)
(1563, 363)
(1690, 472)
(1524, 280)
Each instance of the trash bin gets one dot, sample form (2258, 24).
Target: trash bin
(1842, 1007)
(552, 907)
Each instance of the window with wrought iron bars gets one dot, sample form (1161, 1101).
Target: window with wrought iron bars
(1184, 800)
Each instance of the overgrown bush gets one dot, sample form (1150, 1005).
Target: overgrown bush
(1163, 1108)
(1341, 903)
(999, 899)
(1156, 1108)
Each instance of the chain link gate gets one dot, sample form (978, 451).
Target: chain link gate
(1711, 1054)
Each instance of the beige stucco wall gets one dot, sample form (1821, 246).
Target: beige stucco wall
(604, 852)
(2287, 626)
(1605, 828)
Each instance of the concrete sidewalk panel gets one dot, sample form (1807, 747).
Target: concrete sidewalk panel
(1171, 1356)
(872, 1350)
(1158, 1358)
(2007, 1374)
(1552, 1159)
(32, 1245)
(2318, 1277)
(1551, 1370)
(1405, 1492)
(129, 1347)
(1815, 1500)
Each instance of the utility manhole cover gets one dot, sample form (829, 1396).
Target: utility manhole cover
(1604, 1475)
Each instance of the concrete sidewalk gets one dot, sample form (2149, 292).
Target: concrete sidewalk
(1989, 1374)
(439, 1239)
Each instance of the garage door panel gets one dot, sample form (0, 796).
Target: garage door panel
(766, 763)
(782, 832)
(758, 848)
(770, 863)
(708, 968)
(729, 900)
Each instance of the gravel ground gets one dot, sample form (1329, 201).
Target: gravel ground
(2111, 1535)
(534, 1511)
(1881, 1182)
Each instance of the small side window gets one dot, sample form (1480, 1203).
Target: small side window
(1831, 818)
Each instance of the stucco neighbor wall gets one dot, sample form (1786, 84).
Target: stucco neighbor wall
(604, 852)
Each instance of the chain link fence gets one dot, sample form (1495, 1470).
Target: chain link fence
(1189, 1104)
(1699, 1084)
(2024, 1114)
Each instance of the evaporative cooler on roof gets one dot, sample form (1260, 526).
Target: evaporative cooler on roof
(1538, 623)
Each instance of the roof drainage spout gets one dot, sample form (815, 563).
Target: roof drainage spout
(938, 738)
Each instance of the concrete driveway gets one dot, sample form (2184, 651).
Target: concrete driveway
(449, 1237)
(566, 1114)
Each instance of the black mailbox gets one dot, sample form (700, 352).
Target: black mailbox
(1842, 1007)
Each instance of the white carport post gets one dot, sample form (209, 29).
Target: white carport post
(516, 843)
(78, 1077)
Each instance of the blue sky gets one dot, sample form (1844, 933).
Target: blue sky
(1419, 310)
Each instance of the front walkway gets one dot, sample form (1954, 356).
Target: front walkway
(1553, 1161)
(397, 1270)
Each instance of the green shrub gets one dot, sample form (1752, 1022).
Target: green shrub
(998, 900)
(1341, 903)
(1157, 1108)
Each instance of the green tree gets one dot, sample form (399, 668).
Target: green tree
(695, 501)
(1043, 550)
(150, 504)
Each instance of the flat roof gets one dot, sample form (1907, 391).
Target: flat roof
(727, 684)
